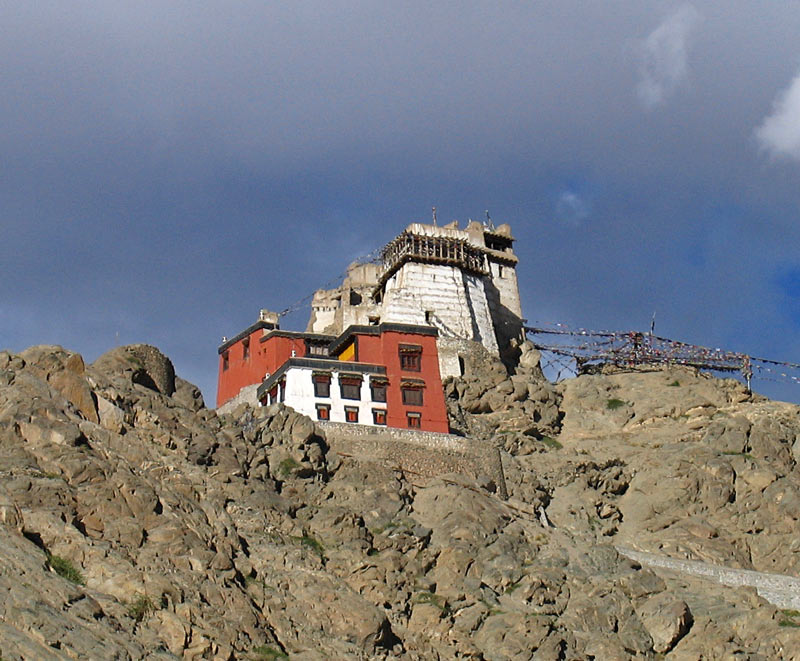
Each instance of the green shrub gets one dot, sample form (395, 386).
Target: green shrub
(613, 404)
(287, 467)
(310, 543)
(551, 442)
(65, 569)
(141, 607)
(674, 384)
(268, 653)
(430, 598)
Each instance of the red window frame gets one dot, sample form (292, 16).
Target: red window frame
(323, 412)
(351, 414)
(410, 357)
(414, 420)
(379, 416)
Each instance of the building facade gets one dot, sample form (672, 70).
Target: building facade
(461, 281)
(385, 375)
(377, 347)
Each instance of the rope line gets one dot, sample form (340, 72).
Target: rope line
(589, 348)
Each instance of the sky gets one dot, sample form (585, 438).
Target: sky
(168, 169)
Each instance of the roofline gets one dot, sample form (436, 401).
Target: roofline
(337, 343)
(247, 331)
(317, 363)
(277, 332)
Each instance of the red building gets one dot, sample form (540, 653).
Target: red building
(258, 351)
(383, 375)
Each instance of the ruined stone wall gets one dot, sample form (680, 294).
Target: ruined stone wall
(427, 454)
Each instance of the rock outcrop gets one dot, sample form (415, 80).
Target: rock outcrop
(135, 523)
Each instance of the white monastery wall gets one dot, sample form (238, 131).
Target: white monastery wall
(300, 396)
(457, 301)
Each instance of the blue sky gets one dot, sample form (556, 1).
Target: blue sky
(170, 168)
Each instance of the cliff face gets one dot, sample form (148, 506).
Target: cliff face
(137, 523)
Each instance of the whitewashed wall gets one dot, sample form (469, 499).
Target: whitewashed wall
(300, 396)
(457, 300)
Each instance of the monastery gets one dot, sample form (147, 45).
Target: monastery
(377, 348)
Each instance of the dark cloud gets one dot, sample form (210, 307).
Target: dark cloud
(169, 169)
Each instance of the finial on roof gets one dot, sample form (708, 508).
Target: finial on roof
(434, 215)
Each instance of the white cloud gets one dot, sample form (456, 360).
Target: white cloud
(664, 56)
(571, 209)
(779, 133)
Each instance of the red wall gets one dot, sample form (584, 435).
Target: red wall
(383, 349)
(265, 357)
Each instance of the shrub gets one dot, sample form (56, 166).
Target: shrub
(141, 607)
(614, 403)
(287, 466)
(551, 442)
(66, 569)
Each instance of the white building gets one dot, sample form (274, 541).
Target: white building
(463, 282)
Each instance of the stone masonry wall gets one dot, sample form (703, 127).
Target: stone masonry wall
(428, 454)
(778, 589)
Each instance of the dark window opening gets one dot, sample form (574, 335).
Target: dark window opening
(410, 358)
(225, 361)
(374, 321)
(412, 396)
(246, 349)
(378, 391)
(355, 298)
(429, 317)
(351, 414)
(350, 387)
(379, 416)
(322, 385)
(317, 350)
(323, 412)
(414, 420)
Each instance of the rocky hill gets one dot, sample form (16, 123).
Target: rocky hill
(136, 523)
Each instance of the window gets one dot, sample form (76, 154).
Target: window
(323, 411)
(246, 349)
(412, 395)
(282, 391)
(429, 317)
(225, 361)
(351, 387)
(410, 357)
(273, 394)
(351, 413)
(379, 416)
(317, 350)
(414, 420)
(322, 385)
(377, 389)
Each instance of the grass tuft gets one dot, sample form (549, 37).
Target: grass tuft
(613, 404)
(66, 569)
(550, 442)
(268, 653)
(141, 607)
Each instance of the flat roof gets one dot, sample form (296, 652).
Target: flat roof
(340, 341)
(247, 331)
(318, 363)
